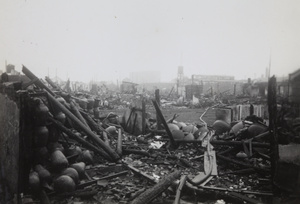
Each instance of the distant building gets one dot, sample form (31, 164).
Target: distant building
(212, 78)
(216, 84)
(165, 88)
(10, 68)
(11, 75)
(294, 88)
(145, 77)
(128, 87)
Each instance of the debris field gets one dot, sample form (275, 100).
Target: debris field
(74, 150)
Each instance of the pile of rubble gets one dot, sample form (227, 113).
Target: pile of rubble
(75, 154)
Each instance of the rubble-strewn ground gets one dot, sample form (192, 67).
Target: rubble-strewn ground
(78, 151)
(188, 158)
(123, 189)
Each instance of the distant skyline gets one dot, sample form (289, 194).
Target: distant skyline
(106, 40)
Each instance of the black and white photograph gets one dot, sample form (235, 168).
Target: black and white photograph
(137, 102)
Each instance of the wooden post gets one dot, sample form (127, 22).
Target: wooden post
(143, 116)
(251, 109)
(157, 98)
(234, 89)
(159, 113)
(272, 106)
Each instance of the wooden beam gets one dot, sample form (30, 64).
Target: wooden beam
(272, 106)
(159, 113)
(157, 98)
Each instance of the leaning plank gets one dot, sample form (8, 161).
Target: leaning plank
(96, 127)
(52, 84)
(158, 111)
(272, 107)
(37, 82)
(89, 133)
(156, 190)
(79, 139)
(179, 189)
(93, 125)
(76, 121)
(76, 112)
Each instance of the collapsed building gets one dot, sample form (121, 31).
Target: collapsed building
(58, 147)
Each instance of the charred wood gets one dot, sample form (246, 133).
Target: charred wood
(155, 191)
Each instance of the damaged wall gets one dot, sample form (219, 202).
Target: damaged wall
(240, 112)
(9, 148)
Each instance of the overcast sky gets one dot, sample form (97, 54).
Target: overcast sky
(105, 40)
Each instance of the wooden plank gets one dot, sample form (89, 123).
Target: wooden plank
(272, 105)
(157, 98)
(158, 111)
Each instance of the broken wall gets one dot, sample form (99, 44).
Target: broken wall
(9, 147)
(223, 86)
(240, 112)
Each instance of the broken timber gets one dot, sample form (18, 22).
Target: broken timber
(272, 104)
(179, 189)
(78, 138)
(76, 121)
(89, 133)
(152, 193)
(52, 83)
(119, 144)
(157, 98)
(135, 170)
(158, 111)
(93, 125)
(88, 183)
(37, 82)
(76, 112)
